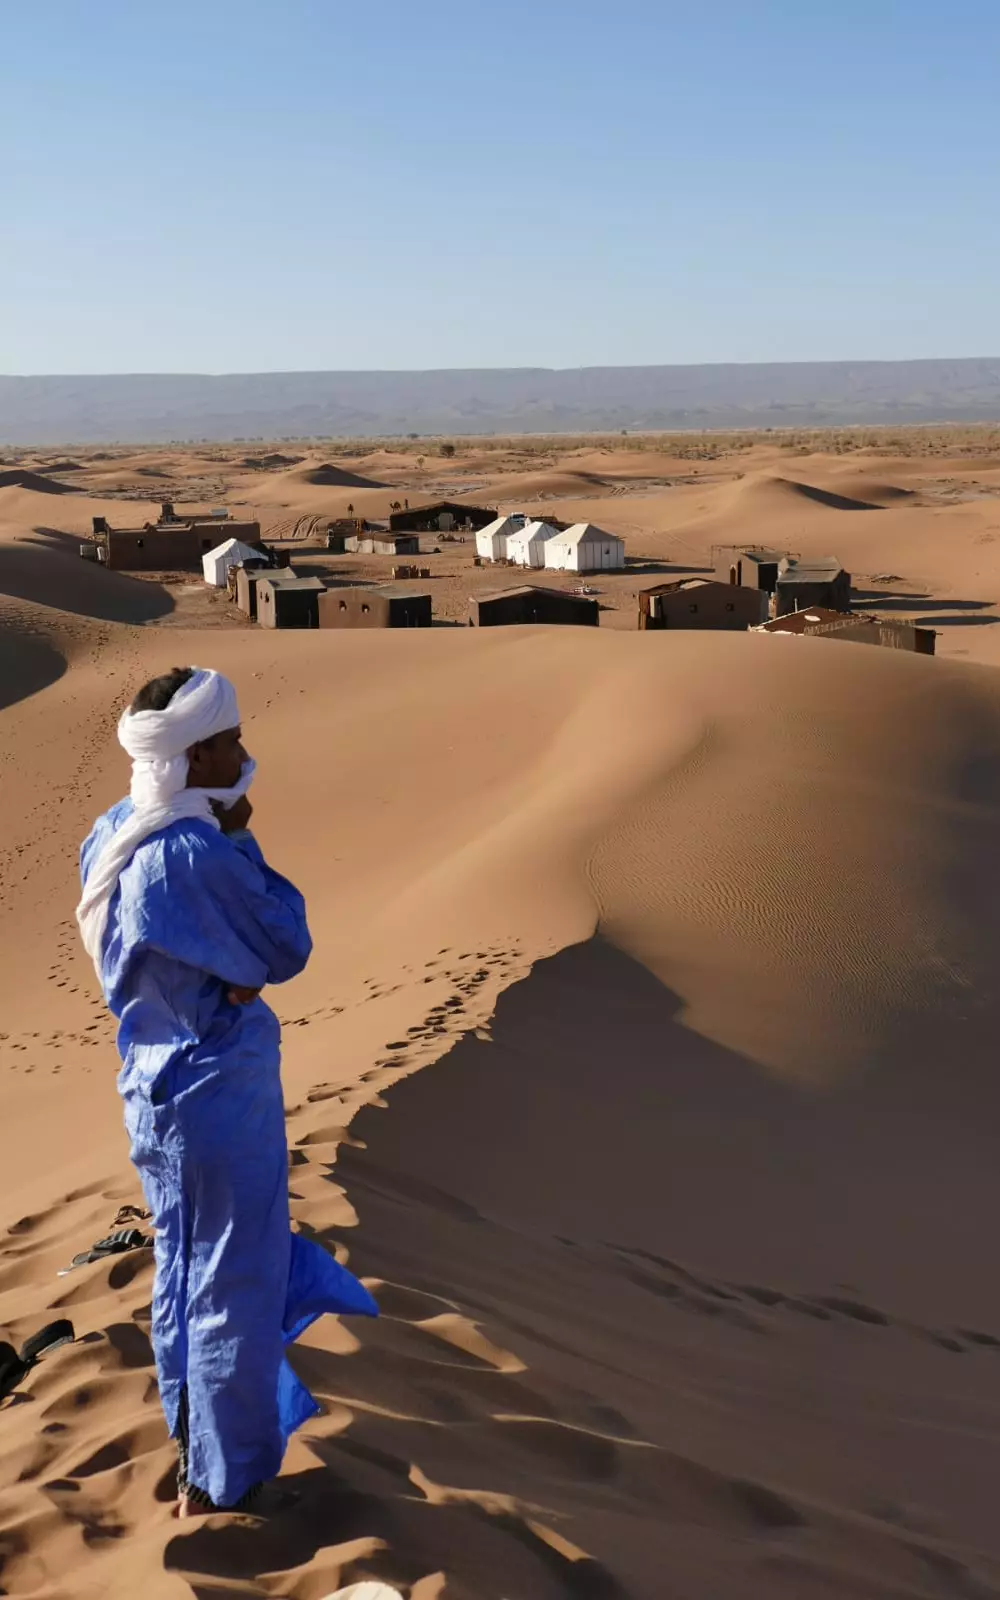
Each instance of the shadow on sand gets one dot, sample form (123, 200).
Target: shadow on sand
(45, 569)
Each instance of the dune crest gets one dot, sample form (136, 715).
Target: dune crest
(328, 476)
(21, 478)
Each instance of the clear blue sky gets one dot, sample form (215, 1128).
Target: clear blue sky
(303, 184)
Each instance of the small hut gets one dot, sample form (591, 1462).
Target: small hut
(395, 544)
(820, 581)
(528, 602)
(387, 606)
(751, 566)
(247, 579)
(341, 529)
(701, 603)
(288, 602)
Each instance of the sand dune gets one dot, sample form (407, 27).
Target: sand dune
(44, 568)
(329, 476)
(826, 497)
(645, 1066)
(28, 660)
(21, 478)
(671, 1188)
(534, 486)
(271, 461)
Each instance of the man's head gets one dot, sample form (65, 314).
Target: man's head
(213, 763)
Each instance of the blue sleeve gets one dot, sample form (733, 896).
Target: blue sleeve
(277, 885)
(216, 906)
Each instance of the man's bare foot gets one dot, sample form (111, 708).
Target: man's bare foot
(271, 1499)
(186, 1507)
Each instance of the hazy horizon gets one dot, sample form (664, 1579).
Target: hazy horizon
(160, 407)
(525, 367)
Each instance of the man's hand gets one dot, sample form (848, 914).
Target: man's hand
(237, 817)
(238, 996)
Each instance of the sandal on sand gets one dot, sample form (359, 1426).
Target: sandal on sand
(48, 1338)
(114, 1245)
(14, 1365)
(131, 1214)
(12, 1369)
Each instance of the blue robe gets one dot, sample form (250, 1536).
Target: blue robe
(195, 912)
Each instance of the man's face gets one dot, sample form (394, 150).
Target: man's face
(217, 763)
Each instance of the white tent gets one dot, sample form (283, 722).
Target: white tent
(526, 547)
(215, 564)
(491, 541)
(584, 548)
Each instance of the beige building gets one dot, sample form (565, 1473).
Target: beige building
(701, 603)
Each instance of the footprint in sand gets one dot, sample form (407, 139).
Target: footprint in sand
(322, 1092)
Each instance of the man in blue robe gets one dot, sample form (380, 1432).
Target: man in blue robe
(186, 924)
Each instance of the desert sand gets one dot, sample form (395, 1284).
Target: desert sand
(645, 1067)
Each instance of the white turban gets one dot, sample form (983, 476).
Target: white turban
(158, 742)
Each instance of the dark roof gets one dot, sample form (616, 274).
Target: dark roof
(272, 574)
(530, 588)
(443, 505)
(818, 569)
(291, 583)
(765, 555)
(678, 584)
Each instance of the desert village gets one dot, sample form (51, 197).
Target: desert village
(751, 587)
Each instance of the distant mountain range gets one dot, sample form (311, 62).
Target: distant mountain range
(145, 408)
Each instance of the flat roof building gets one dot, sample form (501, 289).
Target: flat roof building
(750, 566)
(701, 603)
(247, 579)
(527, 603)
(818, 581)
(288, 602)
(167, 546)
(388, 605)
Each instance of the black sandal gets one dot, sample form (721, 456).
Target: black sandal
(115, 1244)
(14, 1365)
